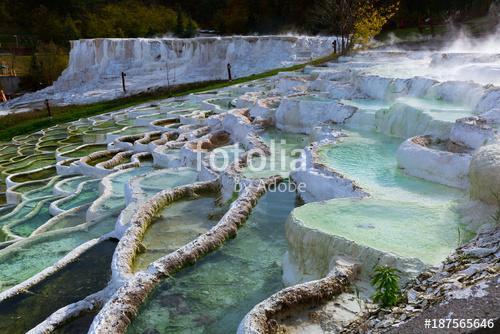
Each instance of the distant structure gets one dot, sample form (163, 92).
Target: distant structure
(207, 33)
(9, 82)
(6, 71)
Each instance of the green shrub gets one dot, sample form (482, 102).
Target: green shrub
(47, 64)
(386, 283)
(496, 216)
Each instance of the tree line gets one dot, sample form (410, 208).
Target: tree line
(42, 29)
(274, 16)
(45, 26)
(62, 20)
(59, 21)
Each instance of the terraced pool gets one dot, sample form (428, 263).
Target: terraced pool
(243, 247)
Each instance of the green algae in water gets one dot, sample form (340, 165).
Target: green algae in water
(153, 117)
(28, 150)
(80, 324)
(115, 202)
(6, 209)
(159, 180)
(49, 142)
(71, 185)
(407, 216)
(118, 181)
(178, 224)
(370, 159)
(97, 131)
(133, 130)
(20, 263)
(73, 139)
(427, 232)
(284, 153)
(213, 295)
(27, 187)
(439, 110)
(52, 148)
(3, 236)
(31, 165)
(88, 194)
(106, 124)
(8, 149)
(126, 122)
(27, 226)
(21, 211)
(35, 176)
(86, 150)
(40, 192)
(68, 147)
(22, 260)
(89, 274)
(105, 225)
(23, 161)
(40, 188)
(70, 219)
(168, 178)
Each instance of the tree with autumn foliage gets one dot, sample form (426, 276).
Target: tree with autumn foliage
(370, 20)
(354, 21)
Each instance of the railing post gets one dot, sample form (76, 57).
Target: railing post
(48, 108)
(123, 83)
(229, 76)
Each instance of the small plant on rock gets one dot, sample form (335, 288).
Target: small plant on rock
(496, 215)
(386, 283)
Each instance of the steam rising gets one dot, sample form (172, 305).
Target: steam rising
(459, 55)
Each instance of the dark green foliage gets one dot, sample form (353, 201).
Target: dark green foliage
(31, 81)
(496, 216)
(183, 30)
(179, 25)
(46, 65)
(63, 20)
(273, 16)
(190, 29)
(386, 283)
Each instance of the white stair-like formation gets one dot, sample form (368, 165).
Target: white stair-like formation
(385, 156)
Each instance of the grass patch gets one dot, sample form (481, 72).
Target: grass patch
(32, 121)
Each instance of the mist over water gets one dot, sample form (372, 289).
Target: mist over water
(458, 55)
(458, 37)
(464, 42)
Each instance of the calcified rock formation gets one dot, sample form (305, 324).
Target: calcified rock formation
(116, 314)
(130, 243)
(262, 318)
(439, 162)
(485, 174)
(26, 285)
(137, 174)
(322, 182)
(464, 281)
(95, 65)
